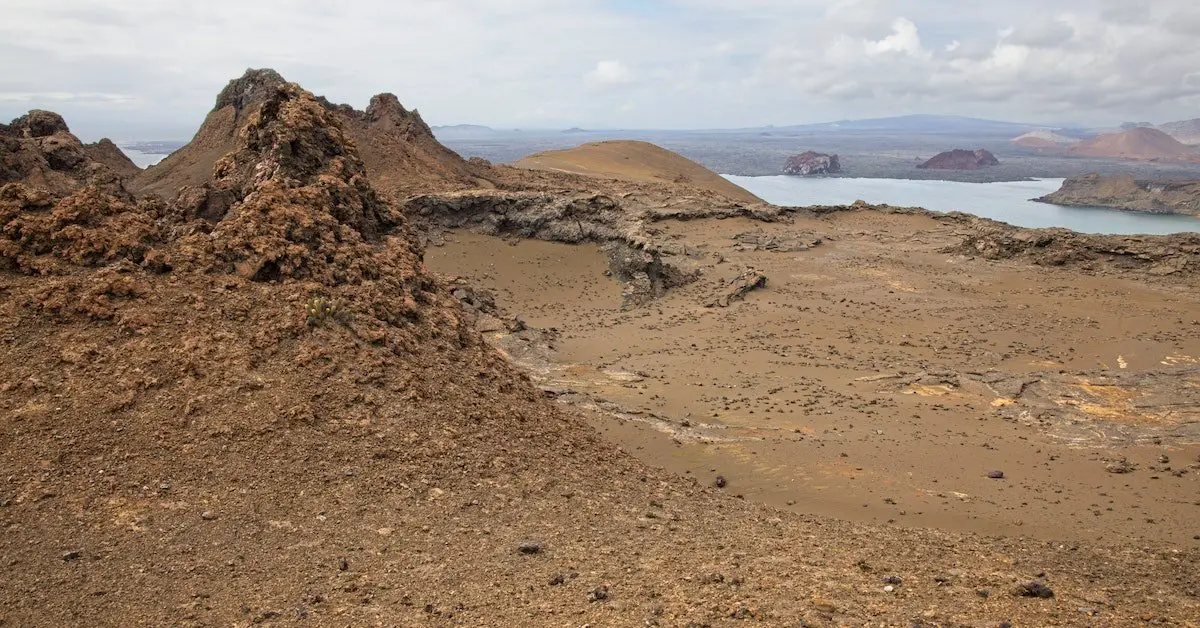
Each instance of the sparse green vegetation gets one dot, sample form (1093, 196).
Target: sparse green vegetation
(321, 309)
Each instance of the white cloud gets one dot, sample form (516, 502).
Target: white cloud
(133, 64)
(904, 39)
(609, 73)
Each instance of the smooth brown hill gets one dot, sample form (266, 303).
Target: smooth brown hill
(398, 148)
(628, 160)
(1141, 143)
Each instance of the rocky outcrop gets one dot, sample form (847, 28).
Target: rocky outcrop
(811, 163)
(39, 149)
(397, 148)
(1153, 255)
(1125, 192)
(400, 152)
(959, 159)
(109, 154)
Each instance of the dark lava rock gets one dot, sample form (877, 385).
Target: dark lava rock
(72, 555)
(40, 123)
(598, 594)
(811, 163)
(959, 159)
(893, 580)
(1033, 588)
(720, 482)
(529, 547)
(996, 475)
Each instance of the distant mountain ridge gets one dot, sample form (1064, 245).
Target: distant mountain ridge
(1186, 131)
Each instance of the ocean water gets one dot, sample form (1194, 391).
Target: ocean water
(143, 160)
(1007, 202)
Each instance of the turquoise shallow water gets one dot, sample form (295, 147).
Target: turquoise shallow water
(1007, 202)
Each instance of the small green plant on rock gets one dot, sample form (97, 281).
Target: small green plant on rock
(322, 309)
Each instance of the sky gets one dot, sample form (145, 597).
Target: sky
(151, 69)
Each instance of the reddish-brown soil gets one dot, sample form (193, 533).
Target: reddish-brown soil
(257, 406)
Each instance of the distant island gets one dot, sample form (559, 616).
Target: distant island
(811, 163)
(959, 159)
(1125, 192)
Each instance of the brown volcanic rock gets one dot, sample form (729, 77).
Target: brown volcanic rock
(959, 159)
(39, 149)
(1141, 143)
(109, 154)
(812, 163)
(1124, 192)
(399, 150)
(192, 165)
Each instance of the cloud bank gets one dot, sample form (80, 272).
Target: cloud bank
(145, 68)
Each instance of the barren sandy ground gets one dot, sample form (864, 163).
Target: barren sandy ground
(878, 379)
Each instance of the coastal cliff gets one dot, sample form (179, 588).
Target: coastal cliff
(1125, 192)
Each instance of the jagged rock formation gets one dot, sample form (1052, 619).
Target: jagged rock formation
(959, 159)
(1141, 143)
(192, 165)
(38, 148)
(396, 145)
(812, 163)
(1124, 192)
(400, 152)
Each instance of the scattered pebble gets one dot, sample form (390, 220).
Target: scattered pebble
(1119, 466)
(208, 515)
(529, 547)
(1033, 588)
(996, 475)
(343, 564)
(598, 594)
(72, 555)
(893, 580)
(720, 481)
(889, 588)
